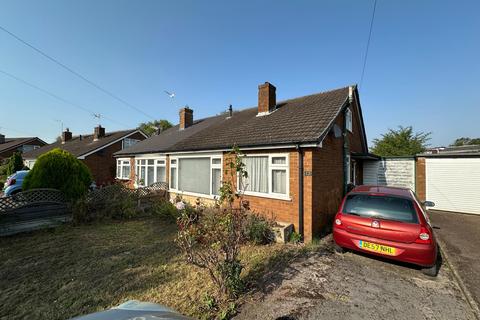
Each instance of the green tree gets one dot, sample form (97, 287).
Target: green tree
(464, 141)
(15, 163)
(149, 127)
(59, 169)
(401, 142)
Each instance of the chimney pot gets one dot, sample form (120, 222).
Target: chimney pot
(66, 136)
(267, 98)
(230, 111)
(186, 117)
(99, 132)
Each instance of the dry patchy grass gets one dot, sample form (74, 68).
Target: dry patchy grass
(69, 271)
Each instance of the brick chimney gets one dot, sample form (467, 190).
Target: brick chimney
(186, 117)
(2, 138)
(267, 98)
(66, 136)
(99, 132)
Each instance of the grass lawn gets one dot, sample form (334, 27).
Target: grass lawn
(69, 271)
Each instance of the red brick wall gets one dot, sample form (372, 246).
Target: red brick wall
(328, 172)
(103, 165)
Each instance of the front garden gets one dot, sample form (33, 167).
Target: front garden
(73, 270)
(197, 259)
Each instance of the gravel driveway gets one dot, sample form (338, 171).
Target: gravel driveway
(327, 285)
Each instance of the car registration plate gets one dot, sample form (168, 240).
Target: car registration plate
(375, 247)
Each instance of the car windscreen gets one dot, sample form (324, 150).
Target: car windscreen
(381, 207)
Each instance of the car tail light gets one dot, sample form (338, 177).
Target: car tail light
(425, 236)
(338, 222)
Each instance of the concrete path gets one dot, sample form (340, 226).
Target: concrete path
(459, 237)
(327, 285)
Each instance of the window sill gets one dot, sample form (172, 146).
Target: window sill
(123, 179)
(194, 194)
(267, 195)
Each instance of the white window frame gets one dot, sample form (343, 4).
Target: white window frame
(271, 167)
(349, 120)
(156, 164)
(130, 139)
(120, 162)
(198, 155)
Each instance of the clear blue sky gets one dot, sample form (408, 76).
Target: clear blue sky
(423, 67)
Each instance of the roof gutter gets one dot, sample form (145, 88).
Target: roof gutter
(267, 147)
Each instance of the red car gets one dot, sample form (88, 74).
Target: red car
(387, 222)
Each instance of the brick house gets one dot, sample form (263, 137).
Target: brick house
(95, 150)
(300, 155)
(8, 146)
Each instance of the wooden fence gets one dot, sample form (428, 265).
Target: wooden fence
(40, 208)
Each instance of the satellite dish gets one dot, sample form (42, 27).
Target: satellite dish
(337, 132)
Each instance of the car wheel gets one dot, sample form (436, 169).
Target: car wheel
(432, 271)
(337, 248)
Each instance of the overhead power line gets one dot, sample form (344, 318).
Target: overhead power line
(53, 95)
(368, 42)
(97, 86)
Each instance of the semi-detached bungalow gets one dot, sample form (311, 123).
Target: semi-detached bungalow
(300, 154)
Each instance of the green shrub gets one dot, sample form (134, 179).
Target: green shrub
(258, 229)
(15, 163)
(116, 203)
(295, 238)
(165, 210)
(60, 170)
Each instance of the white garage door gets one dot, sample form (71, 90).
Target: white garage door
(454, 184)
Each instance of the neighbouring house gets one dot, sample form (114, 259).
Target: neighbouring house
(95, 150)
(300, 154)
(8, 146)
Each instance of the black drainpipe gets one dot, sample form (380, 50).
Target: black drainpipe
(300, 191)
(346, 150)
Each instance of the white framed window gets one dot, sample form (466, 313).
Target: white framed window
(268, 175)
(123, 169)
(196, 174)
(173, 174)
(216, 175)
(150, 170)
(348, 120)
(128, 142)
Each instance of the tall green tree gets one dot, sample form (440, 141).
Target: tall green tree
(401, 142)
(149, 127)
(464, 141)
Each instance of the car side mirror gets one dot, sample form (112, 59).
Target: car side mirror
(428, 204)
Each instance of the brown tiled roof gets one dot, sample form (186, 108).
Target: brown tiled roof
(13, 143)
(80, 145)
(300, 120)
